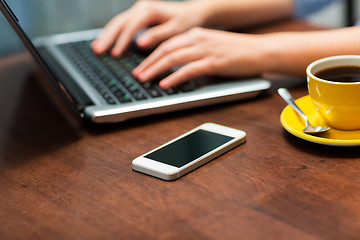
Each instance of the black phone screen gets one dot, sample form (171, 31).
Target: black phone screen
(189, 148)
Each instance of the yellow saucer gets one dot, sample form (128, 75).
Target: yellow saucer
(294, 124)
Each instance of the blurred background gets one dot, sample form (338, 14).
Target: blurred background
(73, 15)
(45, 17)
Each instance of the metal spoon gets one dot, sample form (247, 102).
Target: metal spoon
(284, 93)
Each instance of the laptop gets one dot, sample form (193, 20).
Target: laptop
(102, 88)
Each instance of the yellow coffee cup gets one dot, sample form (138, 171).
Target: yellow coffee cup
(334, 88)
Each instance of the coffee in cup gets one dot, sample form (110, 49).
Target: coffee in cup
(340, 74)
(334, 88)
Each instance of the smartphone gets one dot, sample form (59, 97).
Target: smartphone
(188, 151)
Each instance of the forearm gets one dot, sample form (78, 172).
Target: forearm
(242, 13)
(291, 52)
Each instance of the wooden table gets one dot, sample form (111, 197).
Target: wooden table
(64, 181)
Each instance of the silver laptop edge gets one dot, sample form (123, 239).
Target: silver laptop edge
(244, 90)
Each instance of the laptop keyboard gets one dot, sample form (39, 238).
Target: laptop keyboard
(112, 76)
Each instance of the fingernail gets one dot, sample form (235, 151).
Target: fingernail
(115, 52)
(143, 42)
(163, 85)
(142, 76)
(94, 42)
(136, 71)
(96, 45)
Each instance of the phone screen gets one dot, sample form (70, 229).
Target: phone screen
(189, 148)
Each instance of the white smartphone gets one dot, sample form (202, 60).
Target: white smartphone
(188, 151)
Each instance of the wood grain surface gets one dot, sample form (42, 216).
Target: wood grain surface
(64, 181)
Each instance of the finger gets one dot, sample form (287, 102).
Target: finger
(158, 34)
(130, 30)
(185, 73)
(109, 34)
(164, 49)
(174, 59)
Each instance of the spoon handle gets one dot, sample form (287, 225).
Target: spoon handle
(284, 93)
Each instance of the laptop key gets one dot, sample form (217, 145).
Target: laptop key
(152, 89)
(122, 97)
(111, 83)
(139, 95)
(108, 98)
(171, 91)
(153, 93)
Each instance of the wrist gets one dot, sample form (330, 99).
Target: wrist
(266, 53)
(285, 53)
(203, 11)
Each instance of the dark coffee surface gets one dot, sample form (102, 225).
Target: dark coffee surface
(340, 74)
